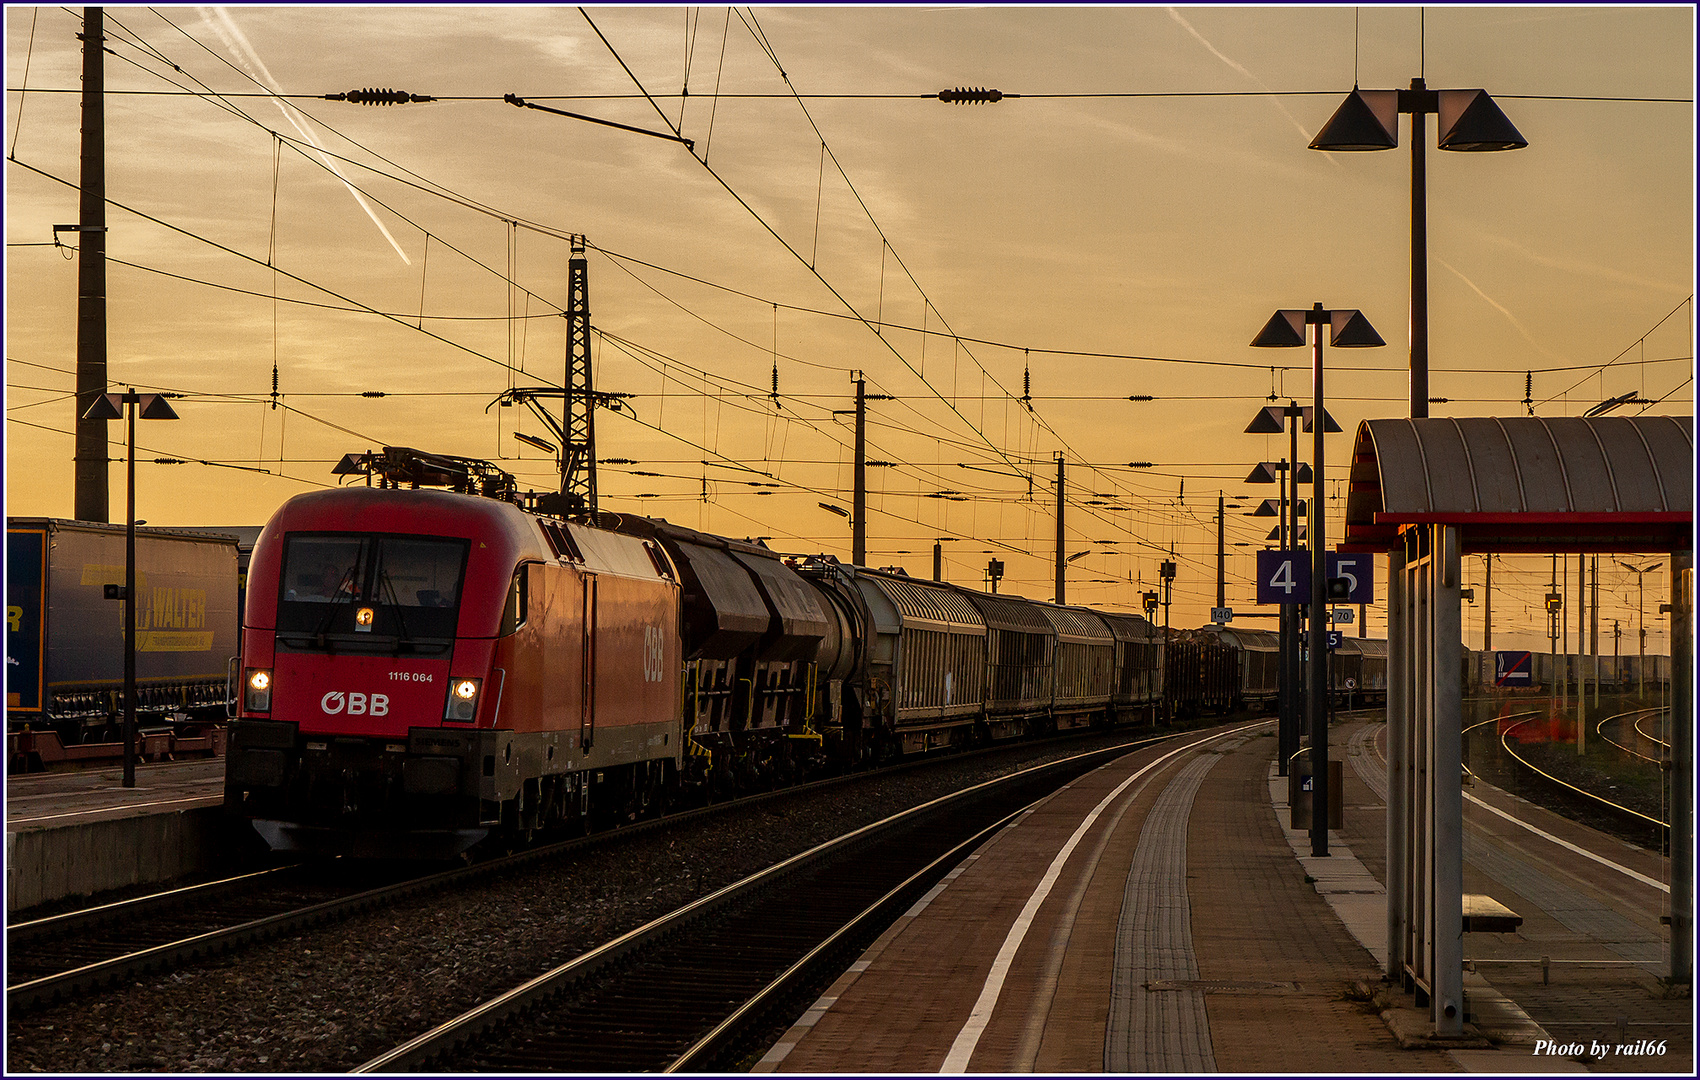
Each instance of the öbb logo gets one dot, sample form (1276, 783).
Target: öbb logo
(654, 654)
(355, 704)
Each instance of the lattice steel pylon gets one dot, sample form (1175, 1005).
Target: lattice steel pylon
(578, 449)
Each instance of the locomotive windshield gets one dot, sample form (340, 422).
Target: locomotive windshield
(408, 585)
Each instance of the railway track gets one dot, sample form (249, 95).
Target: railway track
(65, 956)
(1600, 801)
(1632, 721)
(60, 957)
(704, 988)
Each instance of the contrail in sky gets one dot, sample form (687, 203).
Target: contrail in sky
(1217, 53)
(1501, 308)
(237, 42)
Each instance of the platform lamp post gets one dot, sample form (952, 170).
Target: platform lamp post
(1468, 121)
(1641, 573)
(1272, 421)
(119, 407)
(1348, 329)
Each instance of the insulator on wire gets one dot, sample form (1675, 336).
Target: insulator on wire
(970, 95)
(369, 96)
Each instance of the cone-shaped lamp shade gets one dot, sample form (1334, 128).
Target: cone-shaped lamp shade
(1267, 422)
(1275, 534)
(1267, 508)
(1305, 475)
(1469, 120)
(1366, 120)
(105, 407)
(1328, 424)
(155, 407)
(1352, 331)
(1263, 474)
(1284, 330)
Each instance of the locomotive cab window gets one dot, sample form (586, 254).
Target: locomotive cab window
(406, 587)
(514, 613)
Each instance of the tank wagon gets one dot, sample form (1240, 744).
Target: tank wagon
(65, 635)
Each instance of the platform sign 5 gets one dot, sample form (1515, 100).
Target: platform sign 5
(1513, 669)
(1283, 577)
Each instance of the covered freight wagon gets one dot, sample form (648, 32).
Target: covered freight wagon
(65, 639)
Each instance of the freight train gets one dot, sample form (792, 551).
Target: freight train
(422, 668)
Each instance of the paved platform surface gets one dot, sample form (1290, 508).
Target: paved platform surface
(1157, 916)
(74, 834)
(55, 800)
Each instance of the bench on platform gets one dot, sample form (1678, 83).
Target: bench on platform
(1485, 915)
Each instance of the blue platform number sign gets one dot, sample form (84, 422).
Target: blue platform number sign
(1513, 669)
(1283, 577)
(26, 580)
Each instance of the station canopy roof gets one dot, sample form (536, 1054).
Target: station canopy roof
(1528, 484)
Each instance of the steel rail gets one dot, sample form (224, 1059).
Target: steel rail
(701, 1057)
(1491, 720)
(1640, 714)
(71, 922)
(433, 1047)
(1561, 783)
(1653, 738)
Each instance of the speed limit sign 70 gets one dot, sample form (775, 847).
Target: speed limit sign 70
(1283, 577)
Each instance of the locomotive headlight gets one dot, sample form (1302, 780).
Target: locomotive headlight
(363, 620)
(259, 694)
(463, 700)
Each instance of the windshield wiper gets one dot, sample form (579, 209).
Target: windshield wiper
(395, 602)
(338, 597)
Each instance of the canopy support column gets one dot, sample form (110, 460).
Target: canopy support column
(1427, 701)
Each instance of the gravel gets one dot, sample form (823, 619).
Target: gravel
(330, 999)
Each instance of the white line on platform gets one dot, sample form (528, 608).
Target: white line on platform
(969, 1037)
(1543, 834)
(1582, 851)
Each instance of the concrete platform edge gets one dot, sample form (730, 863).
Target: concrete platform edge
(43, 865)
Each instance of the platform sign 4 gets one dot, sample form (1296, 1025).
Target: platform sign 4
(1283, 577)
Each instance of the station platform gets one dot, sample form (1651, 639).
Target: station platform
(1158, 916)
(79, 833)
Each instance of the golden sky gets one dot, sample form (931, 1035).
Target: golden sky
(1123, 228)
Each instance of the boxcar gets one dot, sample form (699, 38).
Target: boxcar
(1259, 668)
(1085, 668)
(1139, 666)
(1020, 652)
(929, 644)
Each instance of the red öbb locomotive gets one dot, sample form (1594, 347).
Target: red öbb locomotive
(421, 667)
